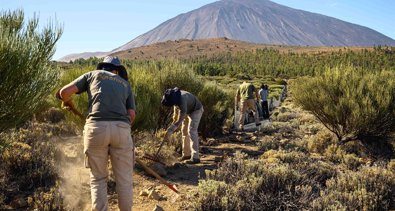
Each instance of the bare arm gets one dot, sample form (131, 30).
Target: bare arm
(67, 91)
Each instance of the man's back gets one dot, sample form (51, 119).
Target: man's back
(109, 96)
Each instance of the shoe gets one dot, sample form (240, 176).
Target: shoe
(193, 161)
(258, 124)
(184, 158)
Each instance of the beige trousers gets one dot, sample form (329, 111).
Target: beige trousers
(101, 139)
(190, 137)
(244, 105)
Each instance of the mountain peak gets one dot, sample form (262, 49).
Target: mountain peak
(260, 21)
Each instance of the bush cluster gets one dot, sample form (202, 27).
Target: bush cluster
(350, 102)
(27, 165)
(288, 180)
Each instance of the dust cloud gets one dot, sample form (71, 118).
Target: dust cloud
(74, 177)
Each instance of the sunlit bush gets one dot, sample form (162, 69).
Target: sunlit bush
(319, 142)
(216, 105)
(350, 102)
(371, 188)
(241, 184)
(27, 75)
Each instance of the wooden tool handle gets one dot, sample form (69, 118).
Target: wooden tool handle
(153, 173)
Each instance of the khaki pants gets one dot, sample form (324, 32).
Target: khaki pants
(244, 105)
(112, 138)
(190, 137)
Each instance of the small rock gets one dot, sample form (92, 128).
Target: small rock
(158, 208)
(159, 168)
(144, 192)
(154, 195)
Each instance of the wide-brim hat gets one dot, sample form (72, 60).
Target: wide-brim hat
(111, 60)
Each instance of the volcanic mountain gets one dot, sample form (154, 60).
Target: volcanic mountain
(260, 21)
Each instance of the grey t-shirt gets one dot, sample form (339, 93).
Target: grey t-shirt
(109, 96)
(189, 104)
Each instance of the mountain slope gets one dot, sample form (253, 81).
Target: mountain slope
(260, 21)
(85, 55)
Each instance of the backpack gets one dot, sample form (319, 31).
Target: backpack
(171, 97)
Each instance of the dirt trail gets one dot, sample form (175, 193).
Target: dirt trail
(75, 178)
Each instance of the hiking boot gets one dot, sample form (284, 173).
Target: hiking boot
(184, 158)
(193, 161)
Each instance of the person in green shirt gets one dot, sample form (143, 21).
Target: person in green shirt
(245, 99)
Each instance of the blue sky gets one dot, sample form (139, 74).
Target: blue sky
(97, 25)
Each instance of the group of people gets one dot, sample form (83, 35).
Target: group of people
(245, 100)
(111, 112)
(107, 130)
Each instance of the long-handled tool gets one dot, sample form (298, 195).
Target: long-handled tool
(156, 157)
(145, 167)
(153, 173)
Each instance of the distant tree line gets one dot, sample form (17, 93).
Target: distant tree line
(269, 61)
(272, 62)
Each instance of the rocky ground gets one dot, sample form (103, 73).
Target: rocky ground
(147, 191)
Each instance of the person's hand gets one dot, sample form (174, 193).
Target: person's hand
(68, 105)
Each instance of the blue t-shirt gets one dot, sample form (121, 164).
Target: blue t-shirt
(264, 94)
(109, 96)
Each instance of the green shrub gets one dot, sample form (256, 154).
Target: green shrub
(216, 105)
(350, 102)
(371, 188)
(29, 160)
(320, 142)
(47, 199)
(241, 184)
(147, 100)
(27, 75)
